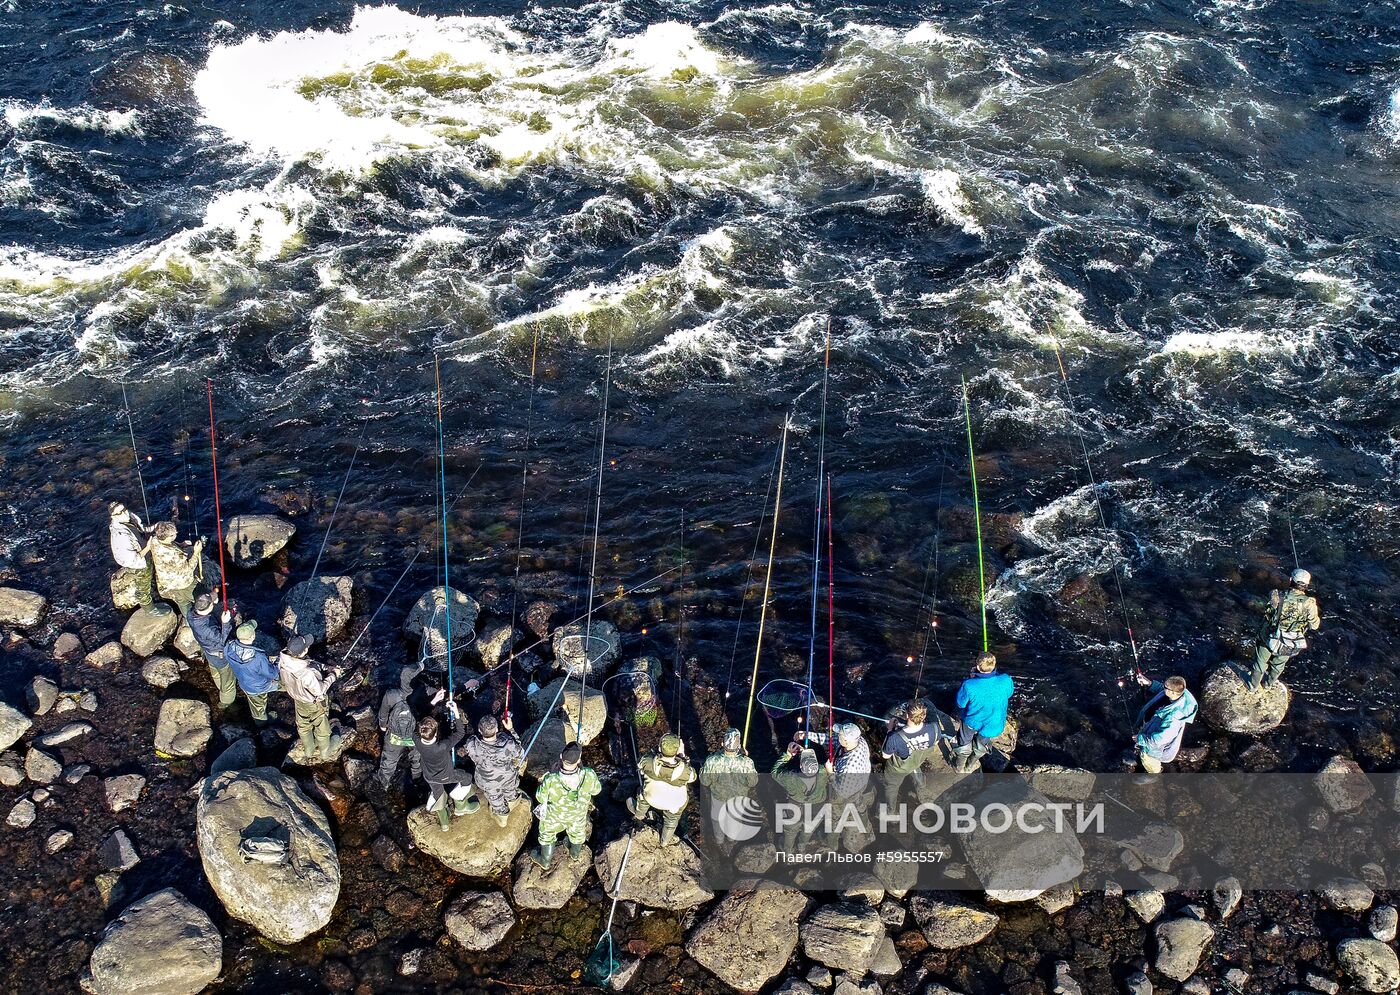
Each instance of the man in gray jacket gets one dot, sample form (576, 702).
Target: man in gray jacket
(397, 722)
(495, 750)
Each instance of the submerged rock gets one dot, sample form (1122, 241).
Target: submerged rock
(1343, 785)
(161, 945)
(148, 630)
(1228, 704)
(106, 655)
(251, 539)
(428, 620)
(536, 888)
(603, 644)
(844, 936)
(13, 725)
(22, 609)
(284, 902)
(478, 920)
(1370, 964)
(318, 609)
(951, 926)
(1180, 943)
(670, 877)
(494, 643)
(474, 845)
(748, 938)
(67, 646)
(182, 728)
(239, 755)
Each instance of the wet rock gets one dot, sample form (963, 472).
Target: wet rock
(1019, 864)
(241, 754)
(594, 708)
(537, 616)
(388, 854)
(658, 877)
(67, 646)
(1228, 704)
(1054, 781)
(474, 845)
(1370, 964)
(1343, 785)
(22, 815)
(11, 770)
(428, 620)
(1147, 905)
(284, 902)
(123, 791)
(1137, 983)
(1348, 894)
(297, 754)
(186, 645)
(251, 539)
(412, 962)
(66, 734)
(87, 700)
(843, 936)
(820, 977)
(358, 770)
(583, 650)
(950, 926)
(161, 671)
(106, 655)
(536, 888)
(41, 695)
(1180, 943)
(1227, 894)
(161, 945)
(13, 725)
(76, 773)
(318, 609)
(1064, 981)
(626, 970)
(494, 643)
(41, 768)
(22, 609)
(183, 728)
(1382, 923)
(478, 920)
(1156, 846)
(57, 840)
(125, 587)
(148, 630)
(117, 853)
(748, 938)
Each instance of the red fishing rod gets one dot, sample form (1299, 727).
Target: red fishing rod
(218, 513)
(830, 631)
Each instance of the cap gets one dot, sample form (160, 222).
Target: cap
(571, 754)
(1301, 577)
(246, 632)
(670, 746)
(808, 762)
(733, 740)
(298, 645)
(848, 733)
(204, 604)
(116, 508)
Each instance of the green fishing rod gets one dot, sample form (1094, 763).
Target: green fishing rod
(977, 514)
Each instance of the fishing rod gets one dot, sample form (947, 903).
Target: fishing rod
(817, 525)
(218, 511)
(597, 523)
(767, 583)
(185, 453)
(316, 567)
(520, 521)
(977, 512)
(135, 455)
(830, 628)
(748, 576)
(442, 490)
(1291, 542)
(602, 964)
(680, 631)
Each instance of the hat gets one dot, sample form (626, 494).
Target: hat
(298, 645)
(670, 746)
(246, 632)
(204, 604)
(733, 740)
(808, 763)
(848, 733)
(165, 531)
(1301, 577)
(488, 726)
(571, 754)
(116, 508)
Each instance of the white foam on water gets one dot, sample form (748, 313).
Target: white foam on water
(943, 188)
(21, 114)
(1390, 118)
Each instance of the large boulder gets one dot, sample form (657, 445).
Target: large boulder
(475, 845)
(951, 926)
(1180, 943)
(251, 539)
(581, 648)
(1035, 853)
(1343, 785)
(1067, 783)
(1370, 964)
(748, 938)
(13, 725)
(478, 920)
(844, 936)
(161, 945)
(318, 609)
(428, 620)
(536, 888)
(149, 629)
(125, 588)
(182, 727)
(659, 877)
(22, 609)
(576, 699)
(548, 736)
(1229, 705)
(284, 902)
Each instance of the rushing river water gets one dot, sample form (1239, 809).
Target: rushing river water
(1194, 207)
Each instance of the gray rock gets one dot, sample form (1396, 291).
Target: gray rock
(76, 773)
(536, 888)
(1348, 895)
(87, 700)
(1228, 704)
(67, 734)
(658, 877)
(57, 840)
(494, 643)
(67, 646)
(1055, 781)
(951, 926)
(886, 962)
(106, 655)
(117, 853)
(595, 709)
(40, 767)
(820, 977)
(284, 902)
(602, 647)
(1370, 964)
(892, 914)
(428, 620)
(318, 609)
(240, 755)
(41, 795)
(183, 728)
(1317, 982)
(22, 609)
(1138, 983)
(1227, 894)
(41, 695)
(748, 938)
(147, 630)
(1148, 905)
(13, 725)
(1382, 923)
(251, 539)
(626, 970)
(1157, 846)
(1237, 978)
(297, 754)
(475, 846)
(11, 770)
(412, 962)
(1064, 981)
(185, 644)
(124, 586)
(851, 985)
(22, 815)
(161, 671)
(795, 986)
(1196, 985)
(844, 936)
(478, 920)
(1343, 785)
(161, 945)
(123, 791)
(1017, 865)
(1180, 943)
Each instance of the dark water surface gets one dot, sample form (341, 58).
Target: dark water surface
(1197, 204)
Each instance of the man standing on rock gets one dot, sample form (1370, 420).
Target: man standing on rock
(727, 776)
(1162, 721)
(906, 748)
(1292, 615)
(564, 803)
(212, 635)
(497, 757)
(398, 723)
(849, 763)
(450, 789)
(800, 774)
(666, 776)
(309, 685)
(176, 568)
(256, 674)
(130, 548)
(984, 699)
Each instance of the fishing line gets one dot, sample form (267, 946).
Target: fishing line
(218, 511)
(520, 520)
(977, 512)
(680, 631)
(830, 629)
(135, 456)
(597, 522)
(748, 576)
(442, 489)
(931, 574)
(1294, 545)
(767, 582)
(189, 474)
(316, 567)
(817, 525)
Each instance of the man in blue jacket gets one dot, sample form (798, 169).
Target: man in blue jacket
(983, 700)
(257, 675)
(1162, 722)
(212, 635)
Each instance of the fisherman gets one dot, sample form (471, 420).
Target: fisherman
(1291, 615)
(176, 569)
(212, 635)
(906, 748)
(256, 674)
(1162, 721)
(397, 722)
(849, 763)
(666, 775)
(983, 698)
(450, 789)
(727, 776)
(131, 548)
(800, 774)
(564, 803)
(309, 685)
(495, 751)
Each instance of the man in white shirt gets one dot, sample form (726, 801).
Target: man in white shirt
(309, 685)
(131, 549)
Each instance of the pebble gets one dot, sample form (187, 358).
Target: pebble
(410, 962)
(105, 655)
(67, 734)
(1064, 981)
(87, 700)
(892, 914)
(1383, 922)
(11, 770)
(1322, 984)
(41, 695)
(1148, 905)
(40, 767)
(41, 795)
(820, 977)
(1137, 984)
(117, 852)
(1196, 985)
(1237, 977)
(123, 790)
(66, 645)
(22, 815)
(57, 840)
(1227, 894)
(76, 773)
